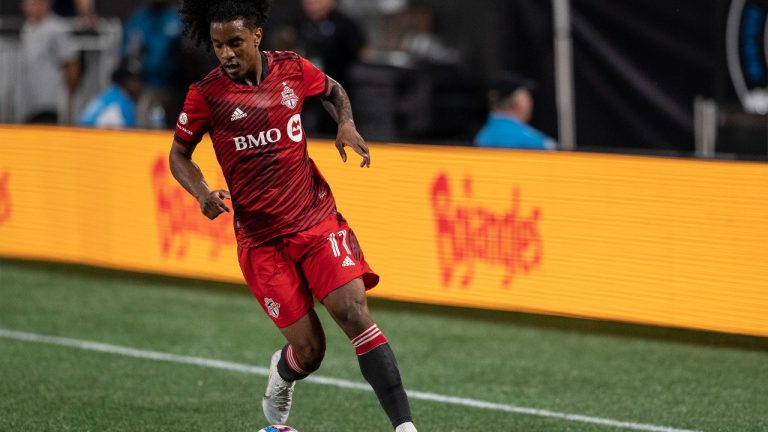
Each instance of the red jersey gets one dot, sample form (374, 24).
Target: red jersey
(261, 146)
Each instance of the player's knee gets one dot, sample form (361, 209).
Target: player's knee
(349, 308)
(310, 356)
(354, 316)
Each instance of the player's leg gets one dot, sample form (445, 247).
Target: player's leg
(348, 307)
(282, 293)
(338, 275)
(299, 357)
(305, 349)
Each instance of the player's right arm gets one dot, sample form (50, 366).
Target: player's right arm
(188, 174)
(193, 123)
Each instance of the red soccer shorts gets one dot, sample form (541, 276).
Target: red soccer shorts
(284, 273)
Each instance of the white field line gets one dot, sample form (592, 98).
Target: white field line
(257, 370)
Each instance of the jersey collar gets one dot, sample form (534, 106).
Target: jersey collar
(264, 70)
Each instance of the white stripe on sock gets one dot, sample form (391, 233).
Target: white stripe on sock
(368, 339)
(362, 335)
(293, 360)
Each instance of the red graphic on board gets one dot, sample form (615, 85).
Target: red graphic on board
(179, 219)
(468, 233)
(5, 197)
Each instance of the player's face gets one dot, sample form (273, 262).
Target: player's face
(237, 48)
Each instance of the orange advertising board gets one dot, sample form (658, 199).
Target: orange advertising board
(649, 240)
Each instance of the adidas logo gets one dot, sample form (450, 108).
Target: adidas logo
(347, 262)
(238, 114)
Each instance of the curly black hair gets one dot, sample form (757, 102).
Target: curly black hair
(199, 14)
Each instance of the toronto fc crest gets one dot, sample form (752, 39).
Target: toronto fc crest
(272, 306)
(289, 97)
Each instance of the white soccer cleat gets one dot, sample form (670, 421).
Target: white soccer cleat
(406, 427)
(278, 395)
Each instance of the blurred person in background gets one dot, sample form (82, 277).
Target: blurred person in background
(153, 39)
(84, 10)
(333, 42)
(511, 100)
(116, 107)
(49, 64)
(330, 39)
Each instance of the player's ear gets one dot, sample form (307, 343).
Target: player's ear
(258, 33)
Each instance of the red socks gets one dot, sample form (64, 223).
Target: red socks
(369, 340)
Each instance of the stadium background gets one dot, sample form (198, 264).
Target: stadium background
(639, 68)
(649, 240)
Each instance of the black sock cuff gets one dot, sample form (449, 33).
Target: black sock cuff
(401, 420)
(285, 371)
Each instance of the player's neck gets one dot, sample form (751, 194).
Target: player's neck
(254, 76)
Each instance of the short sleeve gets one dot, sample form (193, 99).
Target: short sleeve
(66, 49)
(194, 120)
(315, 81)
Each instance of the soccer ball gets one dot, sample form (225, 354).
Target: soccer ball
(278, 428)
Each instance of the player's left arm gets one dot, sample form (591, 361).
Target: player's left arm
(336, 102)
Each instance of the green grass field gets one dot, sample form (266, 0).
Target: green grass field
(608, 376)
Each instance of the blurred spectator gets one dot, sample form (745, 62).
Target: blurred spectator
(330, 39)
(417, 37)
(116, 107)
(153, 39)
(333, 42)
(84, 10)
(49, 62)
(511, 99)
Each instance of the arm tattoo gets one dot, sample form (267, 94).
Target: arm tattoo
(337, 103)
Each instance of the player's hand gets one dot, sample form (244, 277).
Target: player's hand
(348, 136)
(212, 204)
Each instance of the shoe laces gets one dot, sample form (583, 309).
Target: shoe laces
(283, 392)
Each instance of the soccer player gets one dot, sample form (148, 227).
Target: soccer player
(292, 242)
